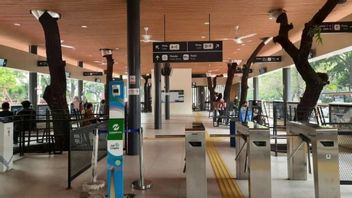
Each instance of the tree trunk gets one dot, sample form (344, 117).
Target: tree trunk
(109, 70)
(211, 87)
(246, 71)
(55, 93)
(231, 68)
(315, 82)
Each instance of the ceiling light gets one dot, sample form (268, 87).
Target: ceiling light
(203, 37)
(68, 46)
(17, 24)
(238, 49)
(243, 44)
(84, 26)
(274, 13)
(96, 61)
(206, 23)
(117, 48)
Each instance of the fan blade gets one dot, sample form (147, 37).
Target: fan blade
(227, 39)
(247, 36)
(68, 46)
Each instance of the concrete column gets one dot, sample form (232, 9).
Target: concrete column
(134, 75)
(255, 88)
(157, 96)
(201, 98)
(80, 83)
(33, 81)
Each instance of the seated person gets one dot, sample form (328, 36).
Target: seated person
(89, 115)
(6, 115)
(27, 119)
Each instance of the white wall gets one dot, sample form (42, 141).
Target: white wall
(180, 79)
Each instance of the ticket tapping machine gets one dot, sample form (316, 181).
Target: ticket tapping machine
(116, 129)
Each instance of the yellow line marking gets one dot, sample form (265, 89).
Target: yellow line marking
(227, 185)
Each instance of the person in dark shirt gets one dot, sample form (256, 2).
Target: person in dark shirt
(6, 115)
(26, 120)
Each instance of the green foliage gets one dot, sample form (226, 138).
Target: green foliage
(271, 86)
(315, 32)
(13, 85)
(93, 91)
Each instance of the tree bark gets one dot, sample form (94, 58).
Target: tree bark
(55, 92)
(246, 70)
(109, 70)
(211, 88)
(315, 82)
(231, 68)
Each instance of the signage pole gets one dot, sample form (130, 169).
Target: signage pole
(116, 129)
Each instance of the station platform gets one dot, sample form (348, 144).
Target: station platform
(41, 175)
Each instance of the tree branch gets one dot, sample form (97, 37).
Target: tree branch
(318, 18)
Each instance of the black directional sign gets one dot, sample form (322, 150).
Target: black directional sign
(270, 59)
(187, 57)
(336, 27)
(92, 73)
(169, 46)
(204, 46)
(191, 51)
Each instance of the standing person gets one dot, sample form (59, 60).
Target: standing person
(220, 107)
(88, 115)
(76, 104)
(102, 107)
(6, 114)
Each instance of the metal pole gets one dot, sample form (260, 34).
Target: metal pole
(141, 184)
(33, 81)
(134, 67)
(286, 79)
(255, 88)
(157, 98)
(80, 83)
(167, 97)
(95, 156)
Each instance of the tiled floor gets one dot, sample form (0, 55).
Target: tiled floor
(38, 175)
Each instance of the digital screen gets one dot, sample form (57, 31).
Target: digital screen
(3, 62)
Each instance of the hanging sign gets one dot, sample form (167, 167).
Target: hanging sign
(336, 27)
(190, 51)
(267, 59)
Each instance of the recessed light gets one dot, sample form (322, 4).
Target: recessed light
(203, 37)
(243, 44)
(17, 24)
(117, 48)
(84, 26)
(206, 23)
(96, 61)
(238, 49)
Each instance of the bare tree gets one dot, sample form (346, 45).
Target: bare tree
(315, 81)
(231, 68)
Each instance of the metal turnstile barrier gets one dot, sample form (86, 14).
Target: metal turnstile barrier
(323, 140)
(253, 153)
(196, 178)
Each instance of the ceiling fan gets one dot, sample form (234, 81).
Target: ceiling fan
(147, 38)
(239, 39)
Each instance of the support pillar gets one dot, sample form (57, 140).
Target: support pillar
(255, 88)
(133, 49)
(157, 96)
(287, 93)
(201, 98)
(286, 75)
(80, 83)
(166, 72)
(33, 81)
